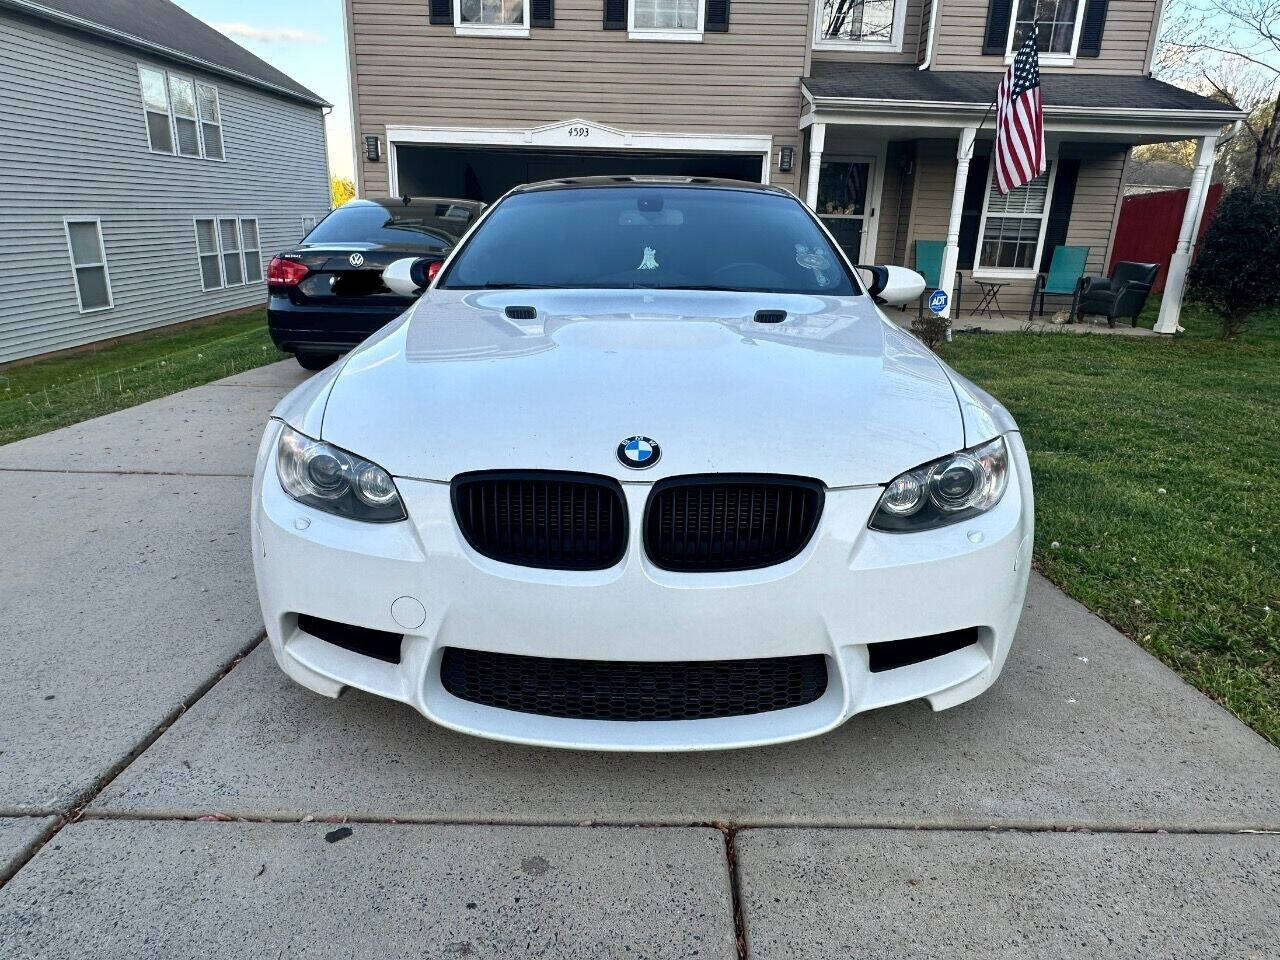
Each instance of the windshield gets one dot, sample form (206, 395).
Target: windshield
(665, 238)
(430, 226)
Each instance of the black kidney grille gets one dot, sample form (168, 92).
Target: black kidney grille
(624, 690)
(553, 520)
(730, 523)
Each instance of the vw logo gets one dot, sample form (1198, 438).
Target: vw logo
(356, 259)
(638, 453)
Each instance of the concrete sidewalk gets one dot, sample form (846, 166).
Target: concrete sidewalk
(138, 699)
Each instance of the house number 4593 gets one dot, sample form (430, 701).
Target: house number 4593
(579, 131)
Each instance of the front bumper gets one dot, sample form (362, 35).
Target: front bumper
(849, 588)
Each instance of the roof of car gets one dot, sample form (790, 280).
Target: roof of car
(400, 203)
(647, 181)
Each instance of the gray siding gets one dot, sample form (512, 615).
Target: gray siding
(73, 143)
(1126, 40)
(744, 81)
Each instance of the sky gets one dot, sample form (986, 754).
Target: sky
(304, 39)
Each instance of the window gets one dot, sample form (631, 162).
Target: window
(182, 99)
(650, 237)
(207, 250)
(1013, 226)
(1059, 27)
(308, 224)
(155, 105)
(666, 19)
(229, 241)
(210, 120)
(89, 264)
(252, 249)
(433, 228)
(492, 17)
(182, 116)
(859, 24)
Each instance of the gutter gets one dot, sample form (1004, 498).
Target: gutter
(928, 43)
(42, 12)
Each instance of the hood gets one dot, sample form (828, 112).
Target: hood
(834, 392)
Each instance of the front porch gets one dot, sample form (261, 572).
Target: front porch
(1018, 323)
(898, 167)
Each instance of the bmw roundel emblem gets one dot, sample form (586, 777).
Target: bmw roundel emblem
(638, 453)
(356, 259)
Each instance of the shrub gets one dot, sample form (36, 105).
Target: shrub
(1235, 273)
(930, 328)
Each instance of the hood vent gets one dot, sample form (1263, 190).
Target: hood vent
(770, 316)
(521, 313)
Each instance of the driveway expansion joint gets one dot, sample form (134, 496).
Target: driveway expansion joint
(122, 473)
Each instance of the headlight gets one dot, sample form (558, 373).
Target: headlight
(949, 490)
(335, 481)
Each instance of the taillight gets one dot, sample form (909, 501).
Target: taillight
(433, 269)
(286, 273)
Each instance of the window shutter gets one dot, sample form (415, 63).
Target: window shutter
(615, 14)
(1095, 18)
(975, 188)
(999, 13)
(717, 19)
(1064, 194)
(441, 11)
(542, 13)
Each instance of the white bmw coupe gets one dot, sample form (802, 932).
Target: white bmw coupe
(644, 468)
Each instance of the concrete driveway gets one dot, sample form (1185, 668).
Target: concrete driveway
(165, 791)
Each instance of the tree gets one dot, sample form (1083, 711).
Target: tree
(1231, 49)
(341, 189)
(1235, 272)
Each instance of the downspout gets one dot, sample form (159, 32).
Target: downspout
(928, 43)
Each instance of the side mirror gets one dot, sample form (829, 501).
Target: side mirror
(896, 286)
(410, 276)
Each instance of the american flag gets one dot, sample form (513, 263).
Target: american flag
(1019, 147)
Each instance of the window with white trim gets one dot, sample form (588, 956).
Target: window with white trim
(308, 224)
(509, 17)
(875, 25)
(182, 100)
(210, 120)
(155, 106)
(1059, 27)
(252, 248)
(1013, 226)
(207, 251)
(666, 19)
(89, 264)
(229, 244)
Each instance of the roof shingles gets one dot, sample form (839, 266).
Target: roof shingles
(161, 24)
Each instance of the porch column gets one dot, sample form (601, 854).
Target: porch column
(1175, 283)
(817, 140)
(951, 253)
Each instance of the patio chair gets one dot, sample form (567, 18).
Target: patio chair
(929, 265)
(1066, 272)
(1123, 294)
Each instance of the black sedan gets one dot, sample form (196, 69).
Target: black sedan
(326, 294)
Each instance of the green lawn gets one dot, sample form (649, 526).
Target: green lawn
(40, 396)
(1157, 472)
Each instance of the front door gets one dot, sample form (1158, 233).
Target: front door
(844, 203)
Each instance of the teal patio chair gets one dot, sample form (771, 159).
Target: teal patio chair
(1066, 273)
(929, 265)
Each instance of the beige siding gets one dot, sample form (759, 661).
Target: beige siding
(1126, 40)
(1093, 212)
(895, 205)
(746, 81)
(916, 10)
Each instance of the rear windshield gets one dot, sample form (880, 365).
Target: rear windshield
(430, 226)
(667, 238)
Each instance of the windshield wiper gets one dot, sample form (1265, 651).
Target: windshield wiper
(507, 286)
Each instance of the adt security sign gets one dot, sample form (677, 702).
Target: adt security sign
(938, 301)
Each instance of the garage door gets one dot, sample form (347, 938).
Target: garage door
(483, 173)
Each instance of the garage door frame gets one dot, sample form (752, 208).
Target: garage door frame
(576, 134)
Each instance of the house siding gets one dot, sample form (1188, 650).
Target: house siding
(73, 143)
(745, 81)
(1126, 39)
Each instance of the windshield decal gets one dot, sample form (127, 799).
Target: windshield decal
(650, 261)
(814, 260)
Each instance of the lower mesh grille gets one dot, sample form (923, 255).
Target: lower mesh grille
(624, 690)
